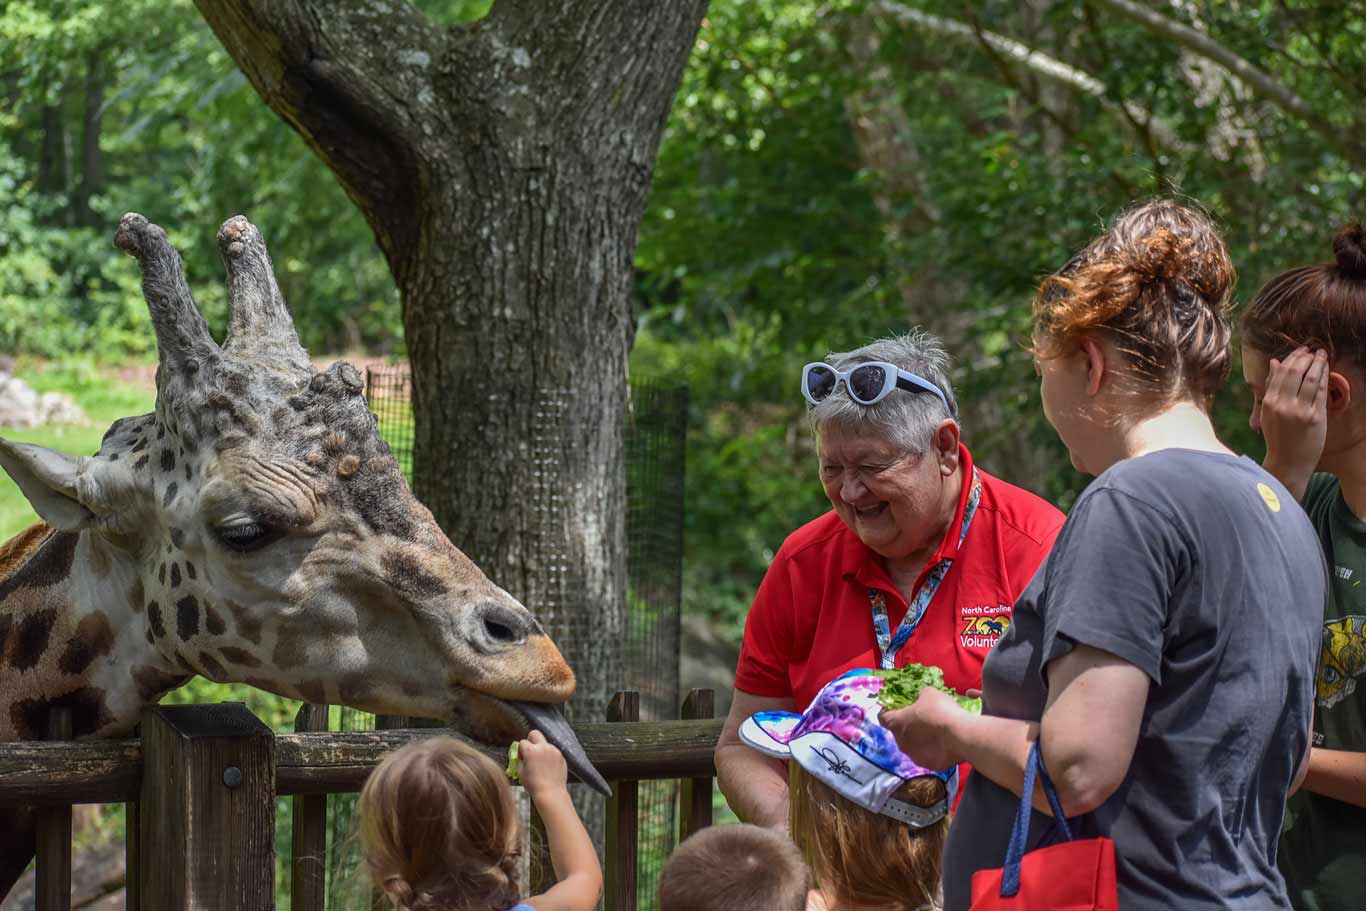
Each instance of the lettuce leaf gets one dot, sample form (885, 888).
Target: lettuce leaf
(902, 686)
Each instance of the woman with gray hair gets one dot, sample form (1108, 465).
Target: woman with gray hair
(919, 561)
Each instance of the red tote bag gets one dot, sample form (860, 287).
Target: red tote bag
(1076, 875)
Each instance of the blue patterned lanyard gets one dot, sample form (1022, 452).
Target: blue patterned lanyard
(887, 644)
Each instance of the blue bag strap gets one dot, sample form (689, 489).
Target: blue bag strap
(1019, 832)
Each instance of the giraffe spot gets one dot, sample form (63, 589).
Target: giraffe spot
(177, 536)
(175, 575)
(88, 713)
(213, 668)
(154, 618)
(167, 460)
(148, 635)
(153, 682)
(36, 558)
(290, 652)
(213, 621)
(239, 657)
(347, 466)
(354, 691)
(26, 640)
(190, 443)
(312, 691)
(161, 431)
(188, 473)
(135, 597)
(140, 445)
(406, 575)
(161, 574)
(248, 626)
(94, 637)
(99, 557)
(113, 456)
(186, 617)
(189, 569)
(171, 490)
(140, 464)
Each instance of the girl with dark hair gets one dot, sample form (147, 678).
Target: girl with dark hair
(1163, 656)
(1304, 356)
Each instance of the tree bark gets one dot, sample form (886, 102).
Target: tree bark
(504, 168)
(92, 160)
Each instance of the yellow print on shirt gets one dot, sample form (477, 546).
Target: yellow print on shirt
(1343, 659)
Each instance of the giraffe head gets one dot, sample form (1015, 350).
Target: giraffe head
(263, 533)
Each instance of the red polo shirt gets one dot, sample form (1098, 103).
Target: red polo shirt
(811, 620)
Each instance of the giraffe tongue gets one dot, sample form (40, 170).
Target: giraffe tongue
(551, 722)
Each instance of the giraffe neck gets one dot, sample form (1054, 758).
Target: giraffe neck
(72, 635)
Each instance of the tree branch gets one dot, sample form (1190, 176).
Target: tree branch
(1043, 65)
(1258, 79)
(355, 80)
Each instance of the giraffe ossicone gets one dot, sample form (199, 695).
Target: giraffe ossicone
(254, 528)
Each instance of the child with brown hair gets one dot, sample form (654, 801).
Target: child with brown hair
(870, 822)
(734, 868)
(1304, 355)
(440, 832)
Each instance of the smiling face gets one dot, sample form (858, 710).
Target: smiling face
(899, 504)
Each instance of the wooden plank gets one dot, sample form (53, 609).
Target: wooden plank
(623, 822)
(111, 771)
(308, 856)
(131, 890)
(52, 886)
(694, 797)
(207, 816)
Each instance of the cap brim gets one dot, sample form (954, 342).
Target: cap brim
(769, 732)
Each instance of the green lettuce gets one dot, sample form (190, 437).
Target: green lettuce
(902, 686)
(514, 769)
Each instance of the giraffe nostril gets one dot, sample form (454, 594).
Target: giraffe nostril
(499, 632)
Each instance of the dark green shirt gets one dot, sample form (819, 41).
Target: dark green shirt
(1323, 847)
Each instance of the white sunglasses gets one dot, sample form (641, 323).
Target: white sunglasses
(868, 383)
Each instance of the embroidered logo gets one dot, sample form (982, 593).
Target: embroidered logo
(836, 763)
(983, 625)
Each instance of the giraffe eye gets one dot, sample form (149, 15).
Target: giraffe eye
(245, 537)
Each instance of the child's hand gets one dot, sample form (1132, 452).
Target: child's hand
(543, 767)
(1295, 415)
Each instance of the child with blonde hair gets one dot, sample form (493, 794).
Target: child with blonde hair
(440, 832)
(870, 822)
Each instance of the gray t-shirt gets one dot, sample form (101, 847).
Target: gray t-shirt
(1202, 571)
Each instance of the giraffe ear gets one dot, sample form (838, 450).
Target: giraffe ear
(49, 480)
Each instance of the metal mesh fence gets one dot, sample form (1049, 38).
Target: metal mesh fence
(655, 435)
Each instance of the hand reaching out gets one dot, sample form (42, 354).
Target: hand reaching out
(922, 728)
(543, 766)
(1294, 416)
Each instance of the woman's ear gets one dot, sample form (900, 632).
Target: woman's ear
(946, 445)
(1339, 392)
(1096, 365)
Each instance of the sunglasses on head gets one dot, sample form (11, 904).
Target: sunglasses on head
(867, 383)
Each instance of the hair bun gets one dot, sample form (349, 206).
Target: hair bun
(1162, 256)
(1349, 246)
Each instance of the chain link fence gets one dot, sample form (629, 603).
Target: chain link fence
(655, 436)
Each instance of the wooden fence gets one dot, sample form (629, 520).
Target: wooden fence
(200, 785)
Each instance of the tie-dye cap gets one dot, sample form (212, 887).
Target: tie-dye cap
(840, 741)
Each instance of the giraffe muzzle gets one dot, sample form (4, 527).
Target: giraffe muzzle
(550, 721)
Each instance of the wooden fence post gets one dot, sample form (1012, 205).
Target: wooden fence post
(53, 873)
(132, 889)
(206, 820)
(694, 797)
(308, 856)
(623, 821)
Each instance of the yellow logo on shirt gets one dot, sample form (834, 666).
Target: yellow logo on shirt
(1269, 497)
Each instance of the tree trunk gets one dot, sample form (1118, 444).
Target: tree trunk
(92, 160)
(504, 168)
(54, 156)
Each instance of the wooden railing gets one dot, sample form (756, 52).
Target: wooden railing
(201, 783)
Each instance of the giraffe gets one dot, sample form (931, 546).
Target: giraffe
(254, 528)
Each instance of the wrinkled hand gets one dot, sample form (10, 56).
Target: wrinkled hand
(543, 766)
(1295, 415)
(922, 729)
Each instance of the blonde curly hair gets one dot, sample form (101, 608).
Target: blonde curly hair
(439, 829)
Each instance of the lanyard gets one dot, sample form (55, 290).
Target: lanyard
(887, 644)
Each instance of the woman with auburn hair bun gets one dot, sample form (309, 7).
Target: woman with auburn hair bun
(1163, 656)
(1304, 357)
